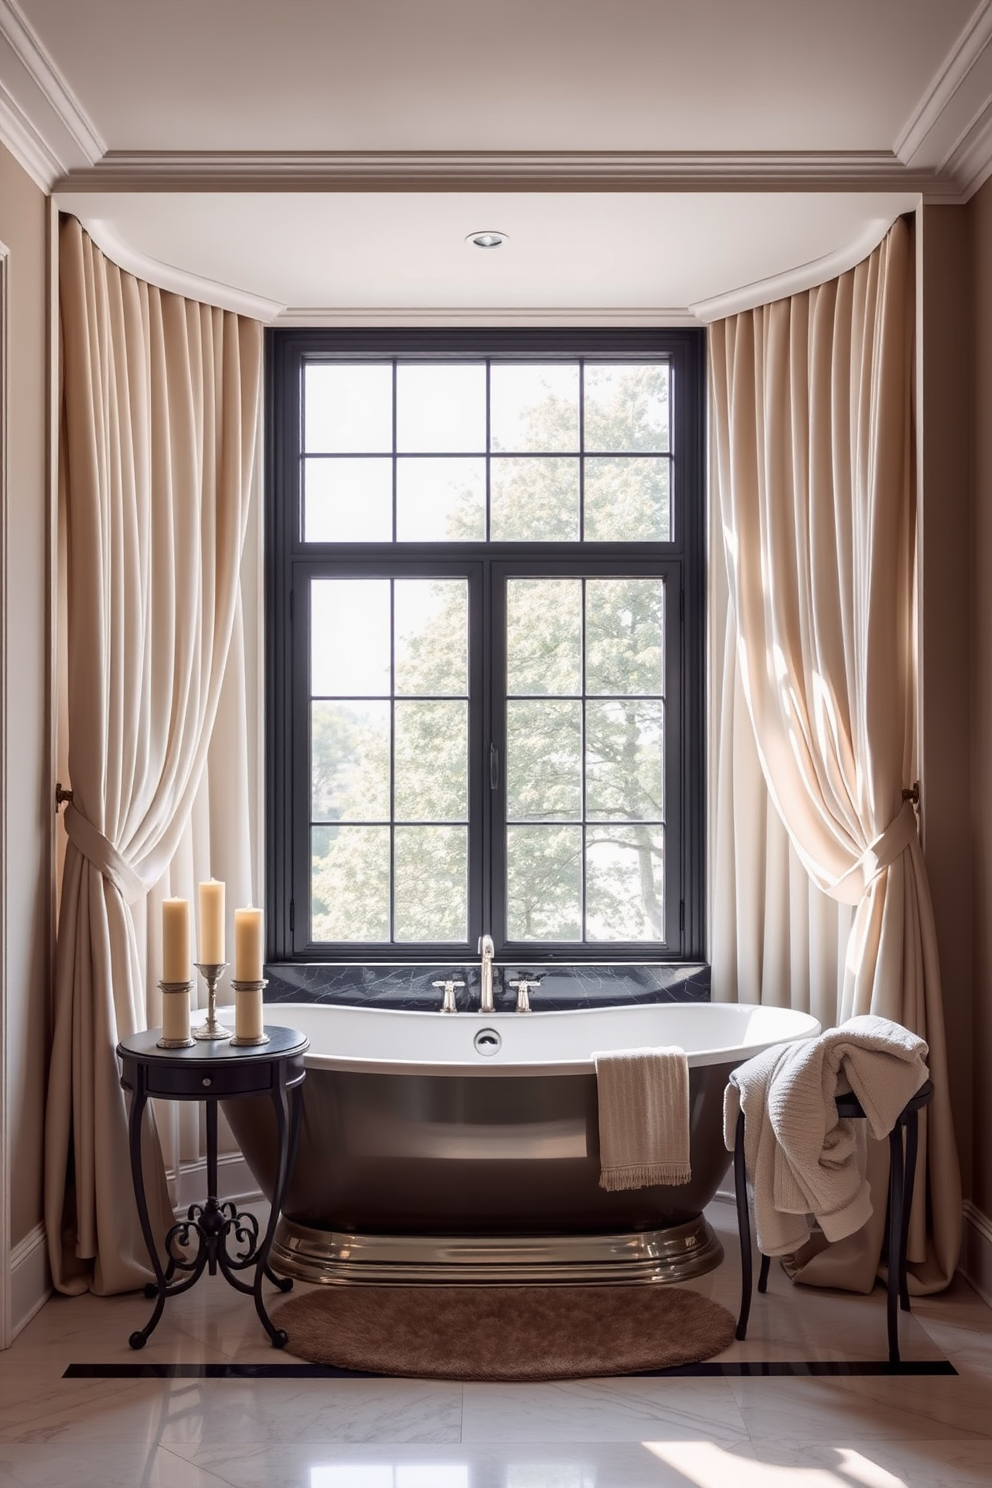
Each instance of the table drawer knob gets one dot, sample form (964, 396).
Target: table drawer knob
(207, 1080)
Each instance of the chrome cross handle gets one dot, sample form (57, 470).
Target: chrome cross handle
(448, 1004)
(524, 989)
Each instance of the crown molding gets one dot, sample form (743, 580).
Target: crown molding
(42, 122)
(177, 281)
(944, 151)
(446, 315)
(22, 139)
(794, 281)
(500, 170)
(950, 131)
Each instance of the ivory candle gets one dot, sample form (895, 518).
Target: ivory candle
(175, 1016)
(248, 1014)
(211, 899)
(248, 945)
(175, 940)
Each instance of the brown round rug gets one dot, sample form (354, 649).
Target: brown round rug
(505, 1333)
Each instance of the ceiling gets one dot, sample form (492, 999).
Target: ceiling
(322, 161)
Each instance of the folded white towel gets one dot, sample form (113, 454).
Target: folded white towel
(801, 1157)
(643, 1117)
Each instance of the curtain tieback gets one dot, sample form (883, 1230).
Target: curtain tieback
(104, 856)
(877, 856)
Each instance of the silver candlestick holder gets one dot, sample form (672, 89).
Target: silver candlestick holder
(211, 972)
(175, 989)
(247, 987)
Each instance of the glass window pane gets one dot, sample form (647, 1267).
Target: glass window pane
(432, 761)
(348, 500)
(625, 884)
(349, 761)
(626, 500)
(431, 620)
(534, 499)
(625, 636)
(349, 638)
(441, 500)
(543, 761)
(432, 883)
(348, 408)
(544, 883)
(544, 636)
(534, 407)
(349, 883)
(625, 773)
(441, 409)
(626, 407)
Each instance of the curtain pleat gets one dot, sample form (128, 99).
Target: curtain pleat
(160, 421)
(811, 408)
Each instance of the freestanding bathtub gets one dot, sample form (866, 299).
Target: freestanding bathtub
(466, 1148)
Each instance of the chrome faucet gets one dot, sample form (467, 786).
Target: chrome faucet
(486, 949)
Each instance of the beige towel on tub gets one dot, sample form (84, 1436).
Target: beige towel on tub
(643, 1117)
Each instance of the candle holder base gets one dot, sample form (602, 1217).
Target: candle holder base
(176, 989)
(211, 971)
(242, 1041)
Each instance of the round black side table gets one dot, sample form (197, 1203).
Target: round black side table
(212, 1072)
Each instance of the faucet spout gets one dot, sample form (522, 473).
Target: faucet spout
(486, 951)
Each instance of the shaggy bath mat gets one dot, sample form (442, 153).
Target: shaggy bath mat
(505, 1333)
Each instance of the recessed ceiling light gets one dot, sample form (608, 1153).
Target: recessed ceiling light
(489, 239)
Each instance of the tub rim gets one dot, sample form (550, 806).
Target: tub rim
(730, 1054)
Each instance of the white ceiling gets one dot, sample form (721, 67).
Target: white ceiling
(321, 161)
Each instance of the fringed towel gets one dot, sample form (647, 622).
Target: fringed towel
(643, 1117)
(801, 1157)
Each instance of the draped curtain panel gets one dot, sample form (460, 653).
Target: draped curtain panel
(160, 419)
(811, 408)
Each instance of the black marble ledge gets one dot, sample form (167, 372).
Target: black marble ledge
(408, 985)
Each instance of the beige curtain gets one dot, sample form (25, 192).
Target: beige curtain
(160, 411)
(811, 405)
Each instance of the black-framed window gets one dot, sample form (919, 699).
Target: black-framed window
(485, 581)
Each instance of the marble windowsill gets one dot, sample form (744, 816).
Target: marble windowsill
(408, 985)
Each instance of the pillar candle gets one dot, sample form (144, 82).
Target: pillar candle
(248, 945)
(248, 1012)
(211, 923)
(175, 940)
(175, 1015)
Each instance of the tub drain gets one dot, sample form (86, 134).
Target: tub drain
(487, 1041)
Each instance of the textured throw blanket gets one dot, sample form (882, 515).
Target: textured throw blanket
(643, 1117)
(801, 1157)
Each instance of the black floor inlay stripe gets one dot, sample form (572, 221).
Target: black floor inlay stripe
(682, 1371)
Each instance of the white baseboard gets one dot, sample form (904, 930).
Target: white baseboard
(30, 1279)
(976, 1251)
(235, 1180)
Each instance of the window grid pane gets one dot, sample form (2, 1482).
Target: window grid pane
(612, 871)
(388, 760)
(486, 450)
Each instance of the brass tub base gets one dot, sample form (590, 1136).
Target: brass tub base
(650, 1256)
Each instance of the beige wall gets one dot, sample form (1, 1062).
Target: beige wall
(979, 212)
(27, 807)
(945, 466)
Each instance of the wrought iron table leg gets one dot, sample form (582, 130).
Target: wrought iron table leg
(140, 1336)
(287, 1129)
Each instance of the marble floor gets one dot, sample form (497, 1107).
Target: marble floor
(818, 1431)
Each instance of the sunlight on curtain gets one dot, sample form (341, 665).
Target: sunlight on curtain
(160, 427)
(811, 407)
